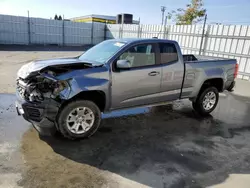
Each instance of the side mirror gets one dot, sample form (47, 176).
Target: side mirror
(123, 64)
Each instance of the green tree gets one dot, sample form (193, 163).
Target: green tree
(60, 17)
(191, 14)
(56, 17)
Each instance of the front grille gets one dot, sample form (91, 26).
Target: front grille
(33, 113)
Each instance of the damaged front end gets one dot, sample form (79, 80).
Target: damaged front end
(40, 94)
(39, 100)
(41, 87)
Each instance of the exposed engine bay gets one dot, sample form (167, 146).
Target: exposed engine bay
(40, 87)
(44, 83)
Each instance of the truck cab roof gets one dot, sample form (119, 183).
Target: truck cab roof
(142, 40)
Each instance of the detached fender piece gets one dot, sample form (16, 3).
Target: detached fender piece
(88, 80)
(230, 88)
(77, 86)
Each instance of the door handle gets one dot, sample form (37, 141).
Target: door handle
(153, 73)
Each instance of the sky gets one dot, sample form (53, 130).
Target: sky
(218, 11)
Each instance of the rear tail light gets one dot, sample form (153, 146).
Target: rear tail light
(236, 70)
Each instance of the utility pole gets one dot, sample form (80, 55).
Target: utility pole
(166, 21)
(203, 34)
(165, 27)
(163, 9)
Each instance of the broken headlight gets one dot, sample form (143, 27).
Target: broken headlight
(60, 86)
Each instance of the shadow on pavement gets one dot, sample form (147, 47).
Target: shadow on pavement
(124, 145)
(165, 146)
(159, 145)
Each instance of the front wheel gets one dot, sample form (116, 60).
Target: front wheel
(79, 119)
(206, 101)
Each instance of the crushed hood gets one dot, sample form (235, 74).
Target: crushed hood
(36, 66)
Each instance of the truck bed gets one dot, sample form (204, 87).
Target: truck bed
(199, 58)
(201, 68)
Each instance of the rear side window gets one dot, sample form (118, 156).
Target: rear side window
(168, 53)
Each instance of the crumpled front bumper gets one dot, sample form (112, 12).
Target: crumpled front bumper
(42, 115)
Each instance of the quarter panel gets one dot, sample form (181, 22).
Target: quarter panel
(198, 72)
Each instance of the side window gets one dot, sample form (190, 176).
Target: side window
(168, 53)
(140, 55)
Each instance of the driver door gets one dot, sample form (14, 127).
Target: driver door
(140, 84)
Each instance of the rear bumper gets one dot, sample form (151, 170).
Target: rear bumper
(41, 115)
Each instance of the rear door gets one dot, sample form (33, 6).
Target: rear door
(172, 71)
(139, 85)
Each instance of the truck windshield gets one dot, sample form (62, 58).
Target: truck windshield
(102, 51)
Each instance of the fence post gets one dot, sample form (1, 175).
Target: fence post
(92, 32)
(206, 39)
(138, 31)
(141, 30)
(120, 31)
(164, 32)
(63, 32)
(122, 25)
(203, 34)
(165, 27)
(105, 30)
(167, 32)
(29, 38)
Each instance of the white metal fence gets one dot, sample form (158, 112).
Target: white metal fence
(218, 40)
(24, 30)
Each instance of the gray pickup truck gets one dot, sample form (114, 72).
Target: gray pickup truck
(68, 95)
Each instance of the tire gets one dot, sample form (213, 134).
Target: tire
(198, 104)
(63, 118)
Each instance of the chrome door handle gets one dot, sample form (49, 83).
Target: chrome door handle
(153, 73)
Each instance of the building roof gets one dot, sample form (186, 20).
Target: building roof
(95, 16)
(105, 17)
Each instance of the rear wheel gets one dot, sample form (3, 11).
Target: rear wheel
(206, 101)
(79, 119)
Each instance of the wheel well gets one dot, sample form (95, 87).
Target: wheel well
(98, 97)
(215, 82)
